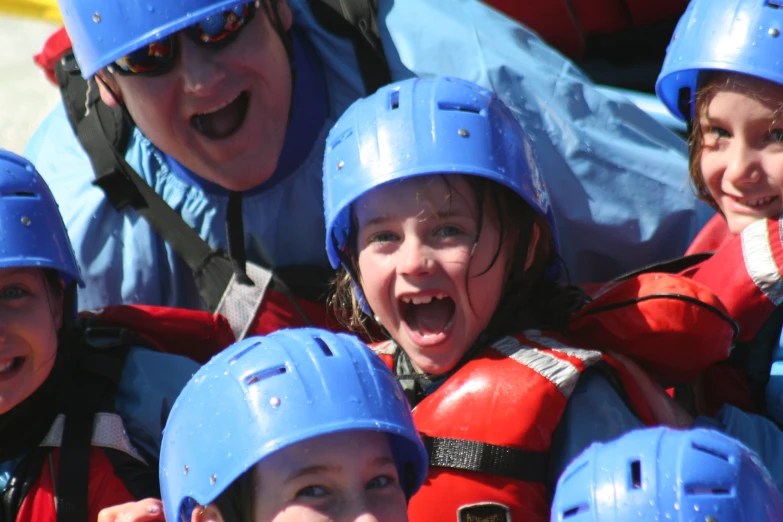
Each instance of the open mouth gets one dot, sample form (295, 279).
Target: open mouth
(224, 120)
(428, 317)
(9, 367)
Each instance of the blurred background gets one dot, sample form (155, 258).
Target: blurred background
(619, 43)
(26, 96)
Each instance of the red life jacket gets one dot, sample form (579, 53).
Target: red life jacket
(199, 334)
(711, 237)
(672, 326)
(478, 471)
(117, 474)
(745, 273)
(679, 326)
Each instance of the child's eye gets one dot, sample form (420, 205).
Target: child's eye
(776, 135)
(448, 231)
(381, 481)
(312, 492)
(12, 292)
(718, 132)
(382, 237)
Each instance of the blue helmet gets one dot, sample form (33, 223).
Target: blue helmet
(32, 230)
(102, 31)
(418, 127)
(266, 393)
(664, 474)
(742, 36)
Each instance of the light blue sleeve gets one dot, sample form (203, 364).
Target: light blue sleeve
(756, 432)
(594, 413)
(150, 383)
(774, 391)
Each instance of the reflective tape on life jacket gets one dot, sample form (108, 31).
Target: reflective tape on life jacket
(559, 363)
(108, 432)
(757, 247)
(745, 273)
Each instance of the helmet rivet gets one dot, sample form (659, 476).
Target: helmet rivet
(26, 221)
(96, 17)
(275, 402)
(774, 33)
(185, 469)
(463, 132)
(213, 479)
(340, 165)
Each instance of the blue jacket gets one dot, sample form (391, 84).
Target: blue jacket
(774, 390)
(617, 179)
(596, 413)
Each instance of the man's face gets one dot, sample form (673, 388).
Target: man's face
(221, 113)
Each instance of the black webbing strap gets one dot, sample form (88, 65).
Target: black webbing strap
(470, 455)
(358, 21)
(672, 266)
(235, 237)
(73, 477)
(103, 132)
(212, 270)
(102, 353)
(684, 104)
(100, 129)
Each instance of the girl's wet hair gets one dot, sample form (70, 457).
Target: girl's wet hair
(529, 299)
(711, 83)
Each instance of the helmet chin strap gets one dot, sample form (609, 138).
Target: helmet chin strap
(684, 104)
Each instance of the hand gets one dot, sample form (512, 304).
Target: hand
(147, 510)
(665, 410)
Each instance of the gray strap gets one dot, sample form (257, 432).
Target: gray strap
(240, 302)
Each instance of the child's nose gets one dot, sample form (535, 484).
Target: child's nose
(416, 259)
(743, 166)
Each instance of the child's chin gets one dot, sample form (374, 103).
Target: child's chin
(432, 365)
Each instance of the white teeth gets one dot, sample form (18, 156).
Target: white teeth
(218, 107)
(424, 299)
(4, 367)
(759, 202)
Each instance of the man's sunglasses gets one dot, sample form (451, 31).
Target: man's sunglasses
(159, 57)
